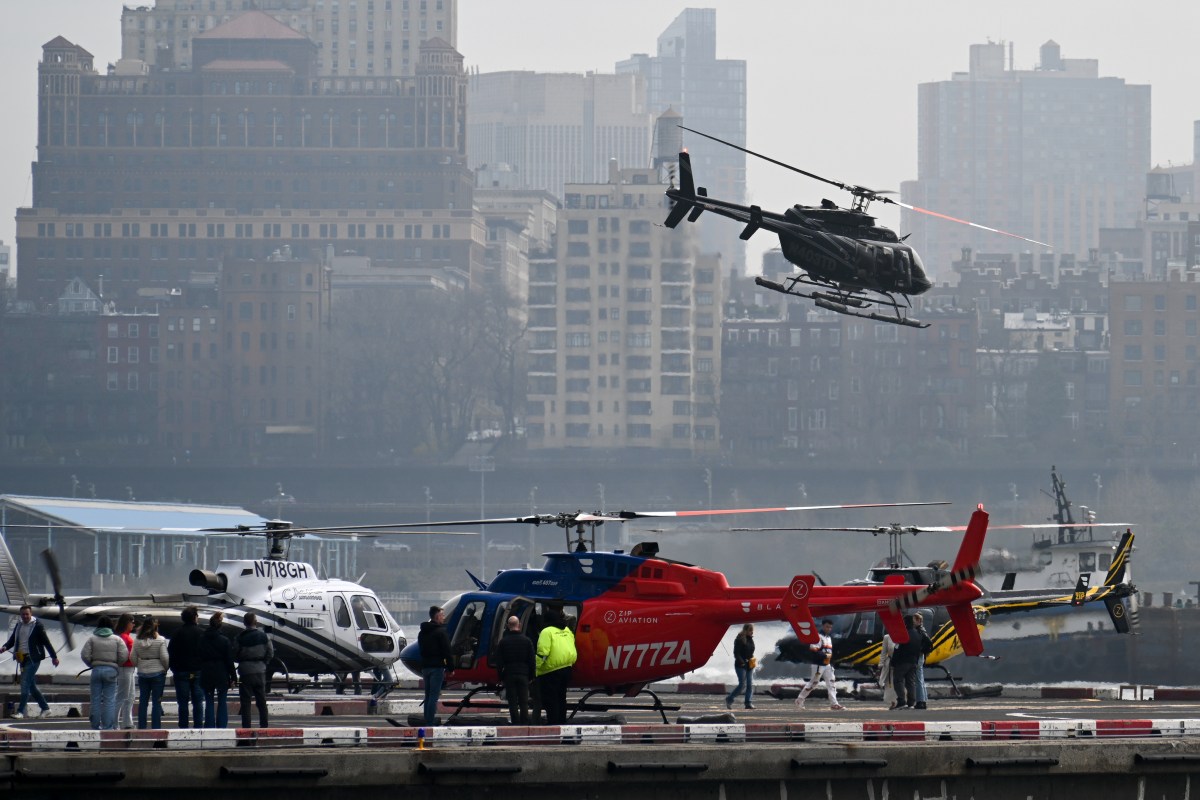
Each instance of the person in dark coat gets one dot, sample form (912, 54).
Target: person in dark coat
(437, 659)
(253, 651)
(183, 651)
(217, 673)
(516, 665)
(30, 644)
(743, 666)
(904, 663)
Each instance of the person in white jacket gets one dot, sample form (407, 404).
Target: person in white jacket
(104, 652)
(151, 659)
(887, 648)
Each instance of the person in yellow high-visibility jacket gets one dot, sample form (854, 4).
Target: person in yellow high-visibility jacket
(555, 656)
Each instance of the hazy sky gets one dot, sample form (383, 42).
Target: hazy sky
(832, 86)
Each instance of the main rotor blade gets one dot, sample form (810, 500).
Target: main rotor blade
(776, 162)
(621, 516)
(913, 529)
(398, 526)
(920, 210)
(349, 532)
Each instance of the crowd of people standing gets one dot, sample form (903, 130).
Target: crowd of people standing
(535, 676)
(129, 663)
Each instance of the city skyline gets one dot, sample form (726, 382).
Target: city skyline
(865, 102)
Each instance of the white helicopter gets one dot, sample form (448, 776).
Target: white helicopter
(317, 625)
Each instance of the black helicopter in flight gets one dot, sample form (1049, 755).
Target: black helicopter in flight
(848, 263)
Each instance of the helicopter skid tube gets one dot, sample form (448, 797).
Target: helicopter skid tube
(840, 308)
(856, 302)
(585, 706)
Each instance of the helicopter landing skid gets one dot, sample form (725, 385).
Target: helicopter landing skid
(584, 705)
(849, 303)
(466, 703)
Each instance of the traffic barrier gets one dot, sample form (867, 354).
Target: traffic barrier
(23, 739)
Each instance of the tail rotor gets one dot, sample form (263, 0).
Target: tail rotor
(56, 580)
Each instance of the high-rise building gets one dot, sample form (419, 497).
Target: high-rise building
(354, 37)
(546, 130)
(248, 375)
(1153, 376)
(1054, 153)
(149, 177)
(624, 326)
(710, 94)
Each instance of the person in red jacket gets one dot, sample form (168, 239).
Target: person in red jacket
(126, 674)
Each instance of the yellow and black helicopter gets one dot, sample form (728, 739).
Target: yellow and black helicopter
(1065, 565)
(848, 263)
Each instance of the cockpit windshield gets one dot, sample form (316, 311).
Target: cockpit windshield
(450, 605)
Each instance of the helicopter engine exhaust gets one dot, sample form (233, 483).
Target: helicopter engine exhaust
(212, 581)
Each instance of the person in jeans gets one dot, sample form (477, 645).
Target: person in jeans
(217, 673)
(184, 650)
(743, 666)
(30, 644)
(151, 660)
(437, 658)
(104, 652)
(253, 651)
(126, 674)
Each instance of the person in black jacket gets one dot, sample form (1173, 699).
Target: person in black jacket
(183, 650)
(30, 644)
(516, 666)
(217, 673)
(743, 655)
(904, 663)
(436, 659)
(253, 651)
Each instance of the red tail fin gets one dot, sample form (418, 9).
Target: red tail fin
(963, 617)
(796, 611)
(972, 543)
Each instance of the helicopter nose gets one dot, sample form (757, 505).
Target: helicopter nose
(410, 657)
(918, 281)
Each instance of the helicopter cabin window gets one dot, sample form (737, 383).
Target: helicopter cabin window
(367, 615)
(866, 625)
(1087, 562)
(466, 634)
(341, 615)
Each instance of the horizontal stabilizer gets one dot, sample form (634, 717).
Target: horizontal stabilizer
(796, 611)
(963, 618)
(696, 212)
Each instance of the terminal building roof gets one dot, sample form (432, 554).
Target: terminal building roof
(128, 516)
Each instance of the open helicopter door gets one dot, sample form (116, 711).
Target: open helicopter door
(343, 624)
(468, 631)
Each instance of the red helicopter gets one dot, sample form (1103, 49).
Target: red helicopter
(640, 618)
